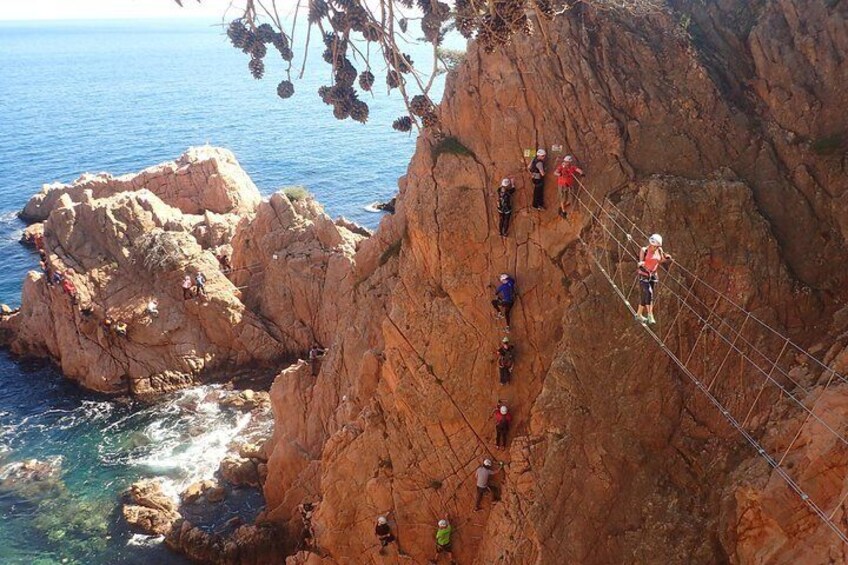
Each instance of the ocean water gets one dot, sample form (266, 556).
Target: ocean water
(118, 97)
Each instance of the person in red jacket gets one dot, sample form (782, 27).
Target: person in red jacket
(70, 289)
(503, 419)
(565, 174)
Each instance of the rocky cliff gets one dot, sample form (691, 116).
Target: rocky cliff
(720, 125)
(716, 124)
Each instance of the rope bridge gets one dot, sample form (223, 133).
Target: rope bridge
(756, 363)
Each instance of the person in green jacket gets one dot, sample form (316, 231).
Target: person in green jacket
(443, 540)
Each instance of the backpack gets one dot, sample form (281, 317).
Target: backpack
(534, 170)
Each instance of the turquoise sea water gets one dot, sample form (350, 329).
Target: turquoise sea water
(118, 97)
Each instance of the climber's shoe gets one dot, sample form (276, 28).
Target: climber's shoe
(640, 319)
(651, 319)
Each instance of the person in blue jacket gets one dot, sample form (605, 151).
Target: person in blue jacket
(504, 298)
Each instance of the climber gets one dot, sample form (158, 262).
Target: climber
(503, 419)
(650, 258)
(443, 539)
(200, 285)
(504, 298)
(384, 533)
(187, 288)
(537, 173)
(224, 262)
(307, 535)
(483, 473)
(505, 192)
(120, 328)
(57, 277)
(565, 173)
(153, 307)
(316, 352)
(506, 360)
(70, 289)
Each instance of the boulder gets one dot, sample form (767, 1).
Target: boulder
(239, 471)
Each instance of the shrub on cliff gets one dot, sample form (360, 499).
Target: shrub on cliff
(161, 251)
(295, 193)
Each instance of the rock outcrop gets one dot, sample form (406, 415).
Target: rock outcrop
(124, 243)
(204, 179)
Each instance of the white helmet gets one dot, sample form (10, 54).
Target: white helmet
(504, 277)
(505, 182)
(655, 239)
(568, 159)
(443, 523)
(505, 340)
(541, 153)
(487, 462)
(382, 520)
(503, 409)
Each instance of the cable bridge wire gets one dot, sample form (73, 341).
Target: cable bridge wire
(713, 322)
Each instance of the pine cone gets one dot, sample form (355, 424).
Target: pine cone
(285, 89)
(324, 93)
(372, 33)
(237, 32)
(405, 63)
(420, 105)
(340, 112)
(357, 18)
(250, 42)
(265, 33)
(259, 50)
(346, 73)
(393, 79)
(403, 23)
(366, 80)
(430, 120)
(318, 10)
(359, 111)
(403, 123)
(431, 26)
(257, 68)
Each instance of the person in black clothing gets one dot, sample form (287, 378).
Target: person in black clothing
(383, 532)
(505, 192)
(316, 352)
(537, 173)
(506, 360)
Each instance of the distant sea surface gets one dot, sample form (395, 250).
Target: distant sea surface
(119, 97)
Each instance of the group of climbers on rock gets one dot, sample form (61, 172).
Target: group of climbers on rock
(566, 173)
(196, 288)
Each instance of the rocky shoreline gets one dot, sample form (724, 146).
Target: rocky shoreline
(197, 523)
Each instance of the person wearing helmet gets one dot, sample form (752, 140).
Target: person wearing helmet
(505, 192)
(483, 473)
(504, 298)
(565, 174)
(650, 259)
(506, 360)
(503, 419)
(443, 539)
(383, 532)
(537, 173)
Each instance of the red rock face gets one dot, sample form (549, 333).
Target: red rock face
(613, 455)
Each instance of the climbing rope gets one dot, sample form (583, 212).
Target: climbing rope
(711, 320)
